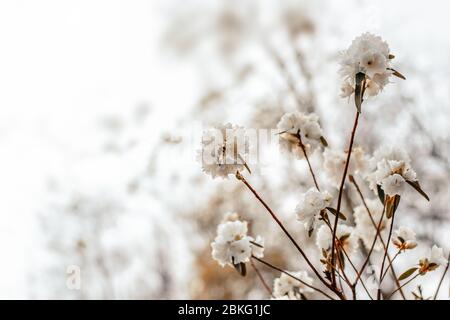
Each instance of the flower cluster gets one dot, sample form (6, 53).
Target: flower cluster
(404, 239)
(233, 246)
(310, 205)
(223, 150)
(392, 170)
(334, 163)
(286, 287)
(346, 238)
(433, 261)
(299, 130)
(370, 55)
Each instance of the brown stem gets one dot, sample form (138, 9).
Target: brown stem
(338, 208)
(280, 224)
(385, 254)
(390, 265)
(442, 279)
(307, 160)
(263, 282)
(402, 286)
(292, 276)
(394, 274)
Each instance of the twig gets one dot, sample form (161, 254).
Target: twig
(385, 254)
(390, 264)
(274, 216)
(402, 286)
(300, 142)
(265, 285)
(292, 276)
(442, 278)
(394, 275)
(338, 208)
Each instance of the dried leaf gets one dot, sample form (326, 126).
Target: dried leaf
(416, 185)
(397, 74)
(333, 211)
(381, 195)
(407, 273)
(391, 205)
(323, 141)
(240, 267)
(359, 78)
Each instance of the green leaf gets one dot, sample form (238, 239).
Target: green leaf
(240, 267)
(407, 273)
(380, 192)
(416, 185)
(392, 205)
(359, 79)
(334, 211)
(323, 141)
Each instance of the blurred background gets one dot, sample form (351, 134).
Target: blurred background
(96, 102)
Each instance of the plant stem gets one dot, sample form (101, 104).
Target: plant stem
(280, 224)
(385, 254)
(338, 208)
(261, 278)
(394, 275)
(300, 142)
(292, 276)
(402, 286)
(442, 279)
(390, 265)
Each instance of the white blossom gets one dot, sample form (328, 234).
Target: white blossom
(365, 228)
(434, 259)
(224, 149)
(345, 234)
(404, 238)
(290, 287)
(334, 164)
(296, 124)
(370, 55)
(437, 256)
(232, 245)
(391, 168)
(310, 205)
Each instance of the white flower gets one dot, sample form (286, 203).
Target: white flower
(310, 205)
(435, 259)
(232, 245)
(365, 228)
(404, 238)
(293, 125)
(391, 168)
(290, 287)
(437, 256)
(345, 234)
(258, 247)
(370, 55)
(224, 149)
(334, 164)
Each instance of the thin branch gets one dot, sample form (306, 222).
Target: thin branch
(402, 286)
(280, 224)
(394, 274)
(390, 264)
(385, 254)
(263, 282)
(442, 278)
(292, 276)
(307, 160)
(344, 176)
